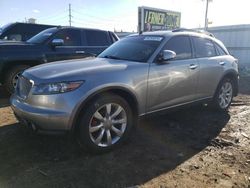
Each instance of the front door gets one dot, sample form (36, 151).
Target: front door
(174, 82)
(71, 49)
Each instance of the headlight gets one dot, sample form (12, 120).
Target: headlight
(54, 88)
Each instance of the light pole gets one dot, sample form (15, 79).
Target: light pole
(70, 16)
(206, 19)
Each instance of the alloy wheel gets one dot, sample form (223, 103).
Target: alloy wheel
(225, 95)
(108, 124)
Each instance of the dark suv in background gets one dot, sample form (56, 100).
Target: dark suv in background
(53, 44)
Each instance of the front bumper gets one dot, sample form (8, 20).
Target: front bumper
(40, 119)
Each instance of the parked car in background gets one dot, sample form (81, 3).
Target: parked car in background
(53, 44)
(21, 31)
(100, 99)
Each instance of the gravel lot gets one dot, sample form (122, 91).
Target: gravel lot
(193, 147)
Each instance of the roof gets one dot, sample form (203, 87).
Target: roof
(170, 33)
(72, 27)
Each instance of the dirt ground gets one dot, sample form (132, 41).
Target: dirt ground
(193, 147)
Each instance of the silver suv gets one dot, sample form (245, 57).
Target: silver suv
(101, 98)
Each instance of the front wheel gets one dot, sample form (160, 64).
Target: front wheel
(224, 95)
(106, 123)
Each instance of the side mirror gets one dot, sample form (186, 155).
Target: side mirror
(167, 55)
(57, 42)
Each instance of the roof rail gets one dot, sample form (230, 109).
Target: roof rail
(184, 29)
(193, 30)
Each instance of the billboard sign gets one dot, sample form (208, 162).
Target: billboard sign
(152, 19)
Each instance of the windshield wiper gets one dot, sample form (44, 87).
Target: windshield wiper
(112, 57)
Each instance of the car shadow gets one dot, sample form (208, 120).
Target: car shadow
(4, 98)
(244, 86)
(159, 145)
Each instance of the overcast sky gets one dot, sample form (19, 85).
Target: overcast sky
(122, 14)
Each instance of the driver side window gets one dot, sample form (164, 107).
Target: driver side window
(70, 37)
(181, 46)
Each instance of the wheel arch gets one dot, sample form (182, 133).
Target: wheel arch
(233, 75)
(125, 93)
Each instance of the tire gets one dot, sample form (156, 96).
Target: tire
(105, 124)
(224, 95)
(11, 77)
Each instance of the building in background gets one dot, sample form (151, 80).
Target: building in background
(237, 40)
(32, 20)
(152, 19)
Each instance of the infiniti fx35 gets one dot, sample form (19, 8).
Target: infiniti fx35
(99, 99)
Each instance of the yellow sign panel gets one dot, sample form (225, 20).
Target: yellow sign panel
(151, 19)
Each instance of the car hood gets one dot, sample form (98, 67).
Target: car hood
(74, 69)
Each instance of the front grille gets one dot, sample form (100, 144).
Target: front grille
(23, 87)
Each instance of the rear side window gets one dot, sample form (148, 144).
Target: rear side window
(97, 38)
(181, 46)
(113, 37)
(219, 50)
(203, 47)
(71, 37)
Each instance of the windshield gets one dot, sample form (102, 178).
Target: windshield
(42, 36)
(3, 28)
(135, 48)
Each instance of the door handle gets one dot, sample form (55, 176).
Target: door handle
(80, 52)
(193, 66)
(222, 63)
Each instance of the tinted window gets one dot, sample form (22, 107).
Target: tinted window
(114, 38)
(43, 36)
(136, 48)
(29, 31)
(97, 38)
(220, 50)
(14, 37)
(204, 47)
(5, 27)
(71, 37)
(181, 46)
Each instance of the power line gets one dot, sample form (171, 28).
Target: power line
(95, 17)
(79, 17)
(54, 18)
(91, 21)
(55, 14)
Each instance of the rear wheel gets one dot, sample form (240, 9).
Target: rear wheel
(224, 95)
(12, 76)
(106, 123)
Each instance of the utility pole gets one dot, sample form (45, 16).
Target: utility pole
(206, 19)
(70, 16)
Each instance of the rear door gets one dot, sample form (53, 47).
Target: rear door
(96, 41)
(211, 66)
(174, 82)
